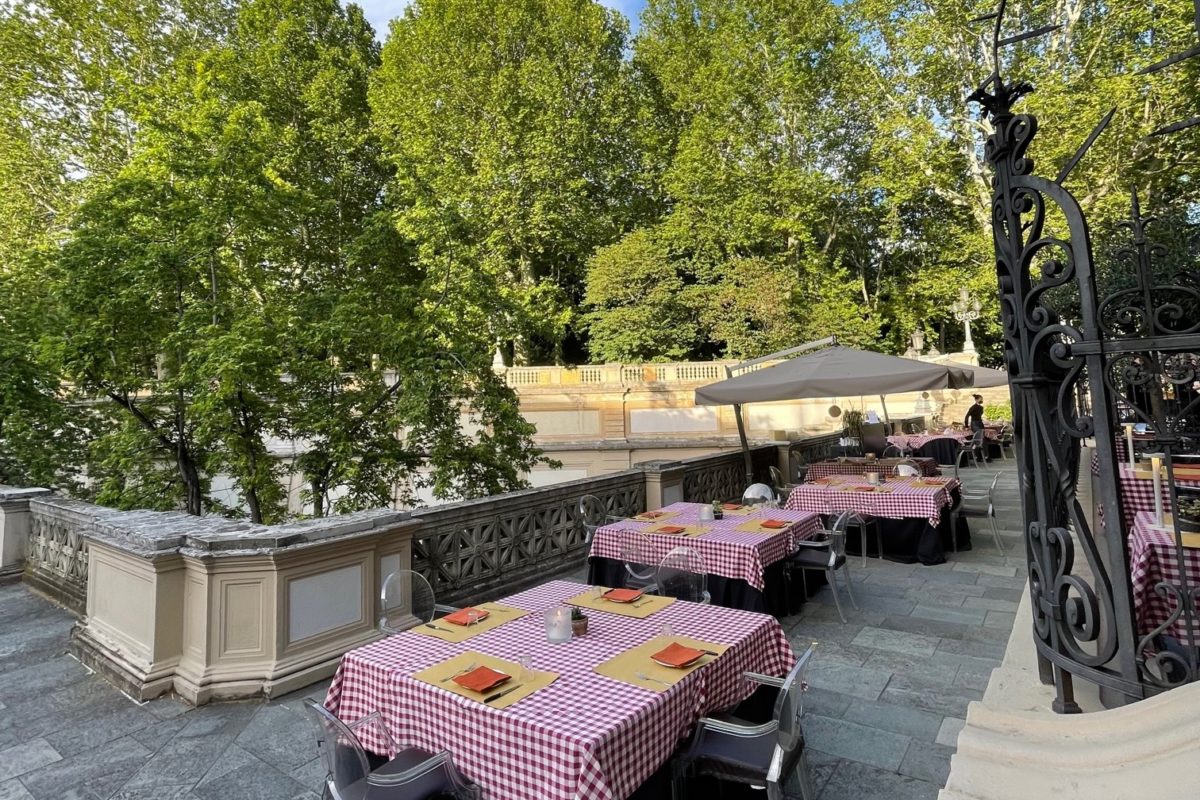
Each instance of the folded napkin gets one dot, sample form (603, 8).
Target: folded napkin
(858, 488)
(652, 514)
(623, 595)
(462, 616)
(670, 529)
(774, 523)
(481, 679)
(676, 655)
(731, 506)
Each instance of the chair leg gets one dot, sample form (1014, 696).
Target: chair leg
(955, 516)
(863, 536)
(678, 791)
(849, 585)
(837, 601)
(996, 537)
(805, 778)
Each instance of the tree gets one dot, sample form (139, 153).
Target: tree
(509, 125)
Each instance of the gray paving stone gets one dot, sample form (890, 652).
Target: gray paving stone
(967, 616)
(14, 790)
(1000, 582)
(946, 574)
(997, 593)
(932, 696)
(279, 736)
(1003, 620)
(927, 762)
(973, 662)
(885, 606)
(156, 736)
(913, 722)
(990, 604)
(95, 773)
(911, 665)
(192, 752)
(168, 707)
(821, 767)
(89, 733)
(310, 775)
(914, 644)
(973, 678)
(45, 676)
(856, 742)
(24, 758)
(261, 783)
(971, 648)
(820, 631)
(865, 684)
(855, 781)
(948, 734)
(157, 793)
(825, 702)
(837, 653)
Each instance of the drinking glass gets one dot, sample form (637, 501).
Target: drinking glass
(666, 629)
(526, 662)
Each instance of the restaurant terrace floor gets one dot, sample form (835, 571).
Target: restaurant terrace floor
(889, 692)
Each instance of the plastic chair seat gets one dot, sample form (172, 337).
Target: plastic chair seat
(742, 759)
(816, 559)
(431, 785)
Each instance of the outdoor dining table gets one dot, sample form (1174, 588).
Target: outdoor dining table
(745, 567)
(1152, 560)
(913, 513)
(861, 466)
(584, 735)
(1137, 487)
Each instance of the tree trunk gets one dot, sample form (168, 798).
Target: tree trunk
(191, 480)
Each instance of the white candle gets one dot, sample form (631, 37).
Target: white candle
(1129, 444)
(1156, 472)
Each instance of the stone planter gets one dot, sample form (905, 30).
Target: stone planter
(1187, 525)
(579, 627)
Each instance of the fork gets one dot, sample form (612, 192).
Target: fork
(463, 671)
(644, 677)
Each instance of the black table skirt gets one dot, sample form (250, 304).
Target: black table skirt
(944, 449)
(911, 540)
(782, 597)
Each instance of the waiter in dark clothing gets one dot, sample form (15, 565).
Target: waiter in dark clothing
(974, 418)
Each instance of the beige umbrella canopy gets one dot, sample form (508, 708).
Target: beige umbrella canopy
(835, 371)
(985, 376)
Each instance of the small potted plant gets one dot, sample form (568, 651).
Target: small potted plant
(718, 509)
(1189, 515)
(579, 621)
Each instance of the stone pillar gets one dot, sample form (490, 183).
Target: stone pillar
(14, 527)
(664, 482)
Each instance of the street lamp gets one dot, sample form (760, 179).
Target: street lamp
(966, 311)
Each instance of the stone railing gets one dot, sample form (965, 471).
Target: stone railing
(696, 372)
(56, 558)
(723, 476)
(479, 548)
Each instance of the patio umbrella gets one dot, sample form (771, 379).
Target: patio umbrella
(984, 376)
(833, 372)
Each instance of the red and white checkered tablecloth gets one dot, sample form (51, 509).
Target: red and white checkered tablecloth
(584, 736)
(823, 469)
(1152, 560)
(1137, 494)
(915, 441)
(904, 500)
(726, 551)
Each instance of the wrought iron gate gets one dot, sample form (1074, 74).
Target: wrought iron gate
(1133, 341)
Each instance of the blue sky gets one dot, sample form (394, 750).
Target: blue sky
(379, 12)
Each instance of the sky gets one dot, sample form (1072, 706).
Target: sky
(379, 12)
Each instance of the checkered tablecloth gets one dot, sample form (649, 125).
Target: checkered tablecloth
(1153, 560)
(823, 469)
(904, 500)
(1137, 494)
(726, 551)
(584, 736)
(915, 441)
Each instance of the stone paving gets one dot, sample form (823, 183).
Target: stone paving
(889, 693)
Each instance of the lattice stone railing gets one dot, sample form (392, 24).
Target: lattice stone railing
(56, 556)
(723, 477)
(472, 549)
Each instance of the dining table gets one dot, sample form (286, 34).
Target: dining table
(861, 466)
(1136, 487)
(1153, 560)
(744, 560)
(912, 513)
(597, 725)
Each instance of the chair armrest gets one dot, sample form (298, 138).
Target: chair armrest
(765, 680)
(375, 718)
(438, 608)
(809, 543)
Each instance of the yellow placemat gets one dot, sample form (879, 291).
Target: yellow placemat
(660, 516)
(439, 675)
(740, 511)
(645, 606)
(688, 530)
(626, 666)
(756, 526)
(449, 632)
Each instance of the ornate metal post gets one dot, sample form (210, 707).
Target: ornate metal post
(966, 311)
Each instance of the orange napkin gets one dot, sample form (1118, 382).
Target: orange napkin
(731, 506)
(623, 595)
(462, 616)
(858, 488)
(481, 679)
(670, 529)
(774, 523)
(676, 655)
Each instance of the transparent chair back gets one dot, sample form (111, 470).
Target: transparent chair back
(837, 534)
(406, 600)
(637, 572)
(682, 574)
(789, 704)
(758, 494)
(592, 514)
(906, 469)
(344, 760)
(779, 484)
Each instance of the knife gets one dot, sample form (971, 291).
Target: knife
(501, 693)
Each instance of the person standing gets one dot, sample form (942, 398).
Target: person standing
(974, 417)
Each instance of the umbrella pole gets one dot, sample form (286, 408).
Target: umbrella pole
(883, 403)
(741, 423)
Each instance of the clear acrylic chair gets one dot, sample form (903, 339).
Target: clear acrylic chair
(682, 574)
(759, 494)
(405, 601)
(593, 515)
(972, 448)
(892, 451)
(976, 502)
(766, 756)
(907, 469)
(779, 483)
(638, 573)
(828, 554)
(1006, 441)
(411, 774)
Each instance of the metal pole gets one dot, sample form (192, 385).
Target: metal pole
(883, 403)
(741, 423)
